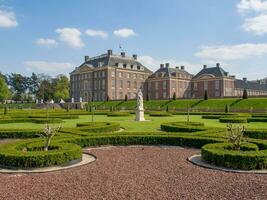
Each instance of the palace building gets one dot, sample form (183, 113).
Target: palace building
(112, 76)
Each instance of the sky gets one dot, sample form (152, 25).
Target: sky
(53, 36)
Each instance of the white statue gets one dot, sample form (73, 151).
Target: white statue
(42, 101)
(36, 101)
(52, 101)
(72, 100)
(81, 99)
(140, 107)
(62, 101)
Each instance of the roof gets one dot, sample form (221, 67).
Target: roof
(111, 61)
(250, 85)
(214, 71)
(169, 72)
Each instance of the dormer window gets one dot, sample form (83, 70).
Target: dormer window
(138, 67)
(124, 65)
(131, 66)
(117, 64)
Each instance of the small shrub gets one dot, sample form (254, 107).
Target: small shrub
(160, 114)
(245, 94)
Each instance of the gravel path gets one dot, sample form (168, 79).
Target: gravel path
(135, 173)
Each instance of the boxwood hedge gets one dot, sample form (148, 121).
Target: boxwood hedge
(233, 120)
(98, 126)
(248, 158)
(182, 127)
(160, 114)
(118, 114)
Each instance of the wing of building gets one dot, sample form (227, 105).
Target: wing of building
(116, 76)
(108, 76)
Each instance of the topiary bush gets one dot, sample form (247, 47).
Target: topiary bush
(118, 114)
(99, 126)
(160, 114)
(248, 158)
(257, 119)
(233, 120)
(30, 155)
(258, 134)
(182, 127)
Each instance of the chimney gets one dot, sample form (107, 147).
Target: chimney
(182, 67)
(245, 79)
(217, 64)
(233, 76)
(135, 56)
(226, 73)
(161, 66)
(109, 52)
(86, 58)
(167, 65)
(177, 67)
(204, 66)
(123, 54)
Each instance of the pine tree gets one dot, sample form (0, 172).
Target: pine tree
(227, 108)
(206, 95)
(245, 94)
(174, 96)
(126, 97)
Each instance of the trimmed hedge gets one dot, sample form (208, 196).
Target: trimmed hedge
(96, 127)
(160, 114)
(28, 154)
(212, 116)
(118, 114)
(16, 133)
(233, 120)
(257, 119)
(258, 134)
(182, 127)
(31, 120)
(203, 113)
(248, 158)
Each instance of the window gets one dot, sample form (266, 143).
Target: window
(164, 95)
(120, 74)
(121, 84)
(135, 85)
(128, 84)
(113, 83)
(134, 76)
(103, 84)
(205, 85)
(164, 85)
(149, 85)
(121, 95)
(195, 86)
(113, 94)
(124, 65)
(103, 73)
(217, 94)
(142, 76)
(112, 74)
(128, 75)
(156, 85)
(157, 95)
(217, 84)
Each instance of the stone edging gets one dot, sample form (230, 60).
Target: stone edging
(86, 158)
(197, 160)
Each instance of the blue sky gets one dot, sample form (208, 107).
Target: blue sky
(53, 36)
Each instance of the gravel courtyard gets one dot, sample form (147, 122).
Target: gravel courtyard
(135, 173)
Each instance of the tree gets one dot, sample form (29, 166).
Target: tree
(167, 108)
(33, 83)
(107, 98)
(245, 94)
(235, 136)
(227, 108)
(174, 96)
(206, 95)
(4, 90)
(5, 110)
(18, 85)
(126, 97)
(61, 90)
(48, 133)
(147, 97)
(46, 88)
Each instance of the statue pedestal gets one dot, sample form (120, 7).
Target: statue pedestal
(139, 115)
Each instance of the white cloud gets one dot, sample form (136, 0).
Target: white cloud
(124, 32)
(51, 68)
(252, 5)
(256, 25)
(96, 33)
(154, 64)
(70, 36)
(232, 52)
(7, 19)
(46, 42)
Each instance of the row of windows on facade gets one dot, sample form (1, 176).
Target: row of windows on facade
(128, 85)
(174, 84)
(128, 75)
(206, 85)
(239, 92)
(129, 66)
(98, 74)
(178, 75)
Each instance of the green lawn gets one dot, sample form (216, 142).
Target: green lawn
(130, 125)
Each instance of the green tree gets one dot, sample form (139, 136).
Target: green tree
(126, 97)
(227, 108)
(4, 90)
(174, 96)
(18, 85)
(245, 94)
(61, 88)
(206, 95)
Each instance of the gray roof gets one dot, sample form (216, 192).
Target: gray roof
(215, 71)
(170, 72)
(250, 85)
(111, 61)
